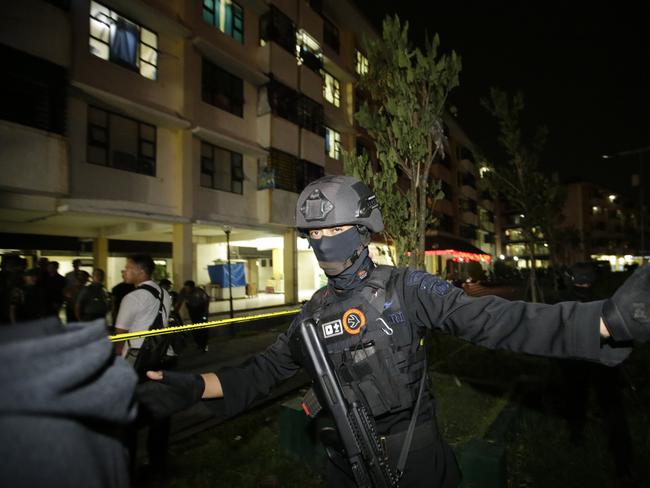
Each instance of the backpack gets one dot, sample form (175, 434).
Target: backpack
(154, 348)
(196, 299)
(95, 302)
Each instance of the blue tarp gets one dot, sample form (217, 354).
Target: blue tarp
(219, 275)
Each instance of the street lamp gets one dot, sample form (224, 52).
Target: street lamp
(640, 152)
(227, 229)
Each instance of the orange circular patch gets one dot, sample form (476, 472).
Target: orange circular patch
(353, 320)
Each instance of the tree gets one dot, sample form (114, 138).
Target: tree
(535, 196)
(405, 91)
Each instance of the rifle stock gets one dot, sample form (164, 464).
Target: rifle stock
(354, 423)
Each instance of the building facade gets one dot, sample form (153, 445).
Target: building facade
(602, 226)
(172, 127)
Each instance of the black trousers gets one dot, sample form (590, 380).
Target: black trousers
(430, 463)
(201, 336)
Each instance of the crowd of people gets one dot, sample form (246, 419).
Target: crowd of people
(41, 291)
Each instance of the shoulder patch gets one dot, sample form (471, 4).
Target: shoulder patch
(428, 282)
(415, 277)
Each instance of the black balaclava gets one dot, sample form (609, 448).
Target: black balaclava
(344, 257)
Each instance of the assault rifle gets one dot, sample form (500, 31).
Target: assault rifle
(355, 425)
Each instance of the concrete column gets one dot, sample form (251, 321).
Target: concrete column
(290, 267)
(100, 253)
(182, 254)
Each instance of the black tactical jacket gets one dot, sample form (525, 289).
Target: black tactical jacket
(416, 302)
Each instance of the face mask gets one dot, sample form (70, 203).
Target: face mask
(339, 252)
(353, 276)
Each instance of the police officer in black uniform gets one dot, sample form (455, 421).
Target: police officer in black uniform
(372, 319)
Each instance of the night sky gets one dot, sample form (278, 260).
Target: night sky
(584, 71)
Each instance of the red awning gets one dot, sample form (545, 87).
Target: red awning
(439, 245)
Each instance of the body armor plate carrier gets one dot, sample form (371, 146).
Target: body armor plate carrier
(370, 343)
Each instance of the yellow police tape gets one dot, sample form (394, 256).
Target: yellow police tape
(203, 325)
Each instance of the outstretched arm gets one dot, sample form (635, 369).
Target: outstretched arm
(567, 329)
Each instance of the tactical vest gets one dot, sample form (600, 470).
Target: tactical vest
(373, 348)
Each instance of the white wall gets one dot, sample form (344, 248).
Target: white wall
(205, 255)
(32, 159)
(114, 271)
(310, 276)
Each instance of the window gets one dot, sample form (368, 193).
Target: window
(332, 143)
(221, 169)
(468, 205)
(33, 91)
(308, 51)
(120, 142)
(284, 102)
(310, 115)
(468, 231)
(331, 89)
(121, 41)
(225, 15)
(466, 179)
(361, 66)
(331, 35)
(278, 99)
(277, 27)
(290, 173)
(221, 89)
(308, 172)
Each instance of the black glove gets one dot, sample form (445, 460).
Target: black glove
(175, 392)
(627, 313)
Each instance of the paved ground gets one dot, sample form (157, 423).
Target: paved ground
(228, 350)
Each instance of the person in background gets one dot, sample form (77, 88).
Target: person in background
(74, 281)
(147, 304)
(42, 269)
(11, 282)
(118, 293)
(580, 378)
(93, 301)
(54, 286)
(197, 302)
(33, 303)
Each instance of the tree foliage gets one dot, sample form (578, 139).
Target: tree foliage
(405, 91)
(537, 197)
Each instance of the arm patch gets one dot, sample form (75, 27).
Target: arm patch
(428, 282)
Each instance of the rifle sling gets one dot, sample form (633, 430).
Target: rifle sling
(401, 462)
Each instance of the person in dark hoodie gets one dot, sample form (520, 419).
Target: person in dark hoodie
(65, 401)
(607, 383)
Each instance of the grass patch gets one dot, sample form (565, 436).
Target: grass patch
(243, 452)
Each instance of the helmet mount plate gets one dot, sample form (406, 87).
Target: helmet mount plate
(316, 206)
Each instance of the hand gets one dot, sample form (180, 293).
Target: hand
(169, 392)
(627, 313)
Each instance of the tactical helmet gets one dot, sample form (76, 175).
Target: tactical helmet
(337, 200)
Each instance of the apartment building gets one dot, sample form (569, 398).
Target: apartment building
(604, 226)
(466, 220)
(157, 126)
(172, 127)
